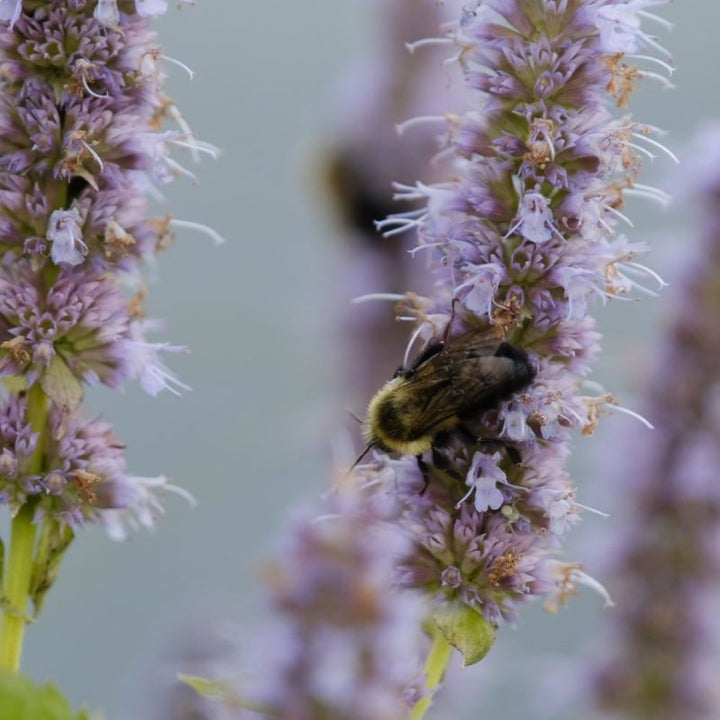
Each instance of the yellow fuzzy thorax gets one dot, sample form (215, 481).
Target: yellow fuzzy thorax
(375, 433)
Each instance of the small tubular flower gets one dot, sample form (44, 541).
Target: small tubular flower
(85, 478)
(81, 323)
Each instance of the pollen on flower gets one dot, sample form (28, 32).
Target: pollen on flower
(503, 568)
(506, 315)
(17, 350)
(596, 407)
(540, 142)
(622, 78)
(85, 482)
(566, 578)
(117, 240)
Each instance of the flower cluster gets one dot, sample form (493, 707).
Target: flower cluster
(82, 143)
(668, 569)
(522, 241)
(349, 645)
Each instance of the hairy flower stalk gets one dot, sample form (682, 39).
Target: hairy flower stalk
(81, 144)
(522, 241)
(668, 570)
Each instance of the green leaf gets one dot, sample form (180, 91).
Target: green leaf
(466, 630)
(61, 386)
(54, 539)
(222, 691)
(22, 699)
(216, 690)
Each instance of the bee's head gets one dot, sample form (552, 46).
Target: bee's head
(403, 372)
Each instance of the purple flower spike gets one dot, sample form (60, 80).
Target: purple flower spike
(349, 647)
(82, 142)
(522, 242)
(667, 564)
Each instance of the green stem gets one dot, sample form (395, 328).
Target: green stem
(435, 667)
(37, 413)
(16, 588)
(18, 568)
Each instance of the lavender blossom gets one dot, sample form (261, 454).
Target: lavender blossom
(667, 637)
(82, 144)
(521, 243)
(79, 140)
(345, 643)
(83, 458)
(349, 647)
(81, 322)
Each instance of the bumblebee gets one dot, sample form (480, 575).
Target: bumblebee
(452, 382)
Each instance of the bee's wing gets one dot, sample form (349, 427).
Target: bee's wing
(462, 381)
(434, 395)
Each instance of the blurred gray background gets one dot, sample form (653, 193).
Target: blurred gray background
(252, 438)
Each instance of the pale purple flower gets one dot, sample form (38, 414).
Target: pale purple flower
(666, 566)
(521, 241)
(350, 645)
(620, 27)
(143, 361)
(82, 115)
(10, 10)
(534, 221)
(84, 478)
(484, 476)
(106, 11)
(135, 503)
(150, 8)
(65, 237)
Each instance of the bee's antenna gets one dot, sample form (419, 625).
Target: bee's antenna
(354, 417)
(361, 456)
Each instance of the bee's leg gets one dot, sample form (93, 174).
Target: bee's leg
(440, 459)
(425, 471)
(512, 452)
(448, 327)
